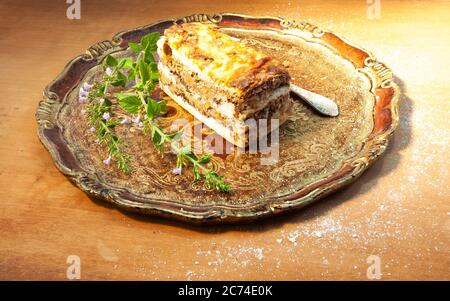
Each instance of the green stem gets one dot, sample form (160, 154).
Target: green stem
(107, 82)
(211, 178)
(177, 149)
(116, 145)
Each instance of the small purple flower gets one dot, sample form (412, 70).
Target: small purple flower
(108, 71)
(87, 86)
(82, 99)
(92, 129)
(126, 120)
(101, 101)
(136, 119)
(107, 161)
(106, 116)
(177, 171)
(83, 93)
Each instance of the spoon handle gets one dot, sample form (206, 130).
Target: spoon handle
(320, 103)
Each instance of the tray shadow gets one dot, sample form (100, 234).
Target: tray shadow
(382, 167)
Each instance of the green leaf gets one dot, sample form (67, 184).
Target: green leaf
(162, 107)
(149, 41)
(107, 103)
(131, 74)
(155, 76)
(143, 71)
(191, 155)
(149, 44)
(120, 63)
(153, 67)
(120, 96)
(148, 55)
(101, 132)
(135, 47)
(111, 61)
(125, 63)
(112, 123)
(121, 80)
(130, 102)
(152, 108)
(139, 87)
(197, 176)
(155, 108)
(145, 41)
(204, 159)
(150, 86)
(128, 63)
(154, 73)
(157, 138)
(100, 90)
(176, 135)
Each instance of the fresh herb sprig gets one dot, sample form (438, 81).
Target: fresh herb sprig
(99, 111)
(143, 70)
(185, 156)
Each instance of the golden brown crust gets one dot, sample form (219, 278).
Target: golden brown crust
(221, 81)
(225, 59)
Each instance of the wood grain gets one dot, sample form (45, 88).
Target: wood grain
(398, 210)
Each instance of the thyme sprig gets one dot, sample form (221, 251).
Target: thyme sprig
(103, 125)
(142, 74)
(185, 156)
(144, 71)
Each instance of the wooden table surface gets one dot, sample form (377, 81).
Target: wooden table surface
(398, 210)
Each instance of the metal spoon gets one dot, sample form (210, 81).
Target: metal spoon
(320, 103)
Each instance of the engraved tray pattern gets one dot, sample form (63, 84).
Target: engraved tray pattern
(318, 155)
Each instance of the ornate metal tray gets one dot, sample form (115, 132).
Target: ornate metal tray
(318, 155)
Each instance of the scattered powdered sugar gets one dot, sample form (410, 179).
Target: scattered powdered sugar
(242, 255)
(383, 210)
(317, 234)
(292, 237)
(319, 230)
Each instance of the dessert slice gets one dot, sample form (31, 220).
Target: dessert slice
(221, 81)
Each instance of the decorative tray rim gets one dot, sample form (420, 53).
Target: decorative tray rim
(373, 147)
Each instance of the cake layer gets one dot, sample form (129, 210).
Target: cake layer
(223, 60)
(215, 98)
(221, 81)
(234, 130)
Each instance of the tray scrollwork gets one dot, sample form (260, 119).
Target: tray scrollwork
(367, 96)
